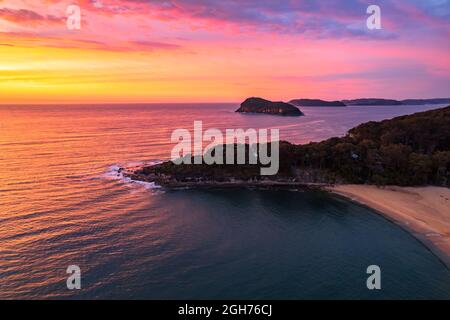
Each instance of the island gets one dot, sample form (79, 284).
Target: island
(259, 105)
(316, 103)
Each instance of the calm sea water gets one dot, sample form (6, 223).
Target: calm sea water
(62, 204)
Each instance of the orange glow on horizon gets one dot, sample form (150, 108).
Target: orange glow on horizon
(134, 57)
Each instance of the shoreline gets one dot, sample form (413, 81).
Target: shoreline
(422, 211)
(270, 184)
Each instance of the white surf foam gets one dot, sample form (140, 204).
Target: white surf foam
(116, 172)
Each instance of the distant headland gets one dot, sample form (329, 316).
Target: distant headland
(366, 102)
(391, 102)
(316, 103)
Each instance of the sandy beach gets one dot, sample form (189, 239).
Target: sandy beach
(424, 211)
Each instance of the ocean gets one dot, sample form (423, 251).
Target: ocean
(62, 203)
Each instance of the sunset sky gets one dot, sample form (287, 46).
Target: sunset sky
(219, 51)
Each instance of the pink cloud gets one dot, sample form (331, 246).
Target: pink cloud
(25, 16)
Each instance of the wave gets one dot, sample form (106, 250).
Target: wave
(117, 172)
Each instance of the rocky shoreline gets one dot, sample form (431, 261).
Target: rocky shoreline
(168, 182)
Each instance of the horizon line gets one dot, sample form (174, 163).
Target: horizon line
(194, 102)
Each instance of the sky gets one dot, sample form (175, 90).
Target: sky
(222, 51)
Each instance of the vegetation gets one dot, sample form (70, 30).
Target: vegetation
(408, 150)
